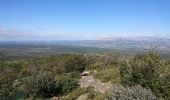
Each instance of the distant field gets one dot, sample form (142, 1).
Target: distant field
(20, 50)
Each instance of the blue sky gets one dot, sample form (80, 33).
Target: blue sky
(83, 19)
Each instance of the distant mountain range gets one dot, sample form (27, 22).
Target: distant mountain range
(119, 43)
(138, 42)
(127, 46)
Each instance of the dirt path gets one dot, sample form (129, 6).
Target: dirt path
(89, 80)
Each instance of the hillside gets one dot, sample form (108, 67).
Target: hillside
(143, 76)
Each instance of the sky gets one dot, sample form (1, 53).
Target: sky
(83, 19)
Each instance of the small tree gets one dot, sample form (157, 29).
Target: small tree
(42, 85)
(76, 63)
(144, 70)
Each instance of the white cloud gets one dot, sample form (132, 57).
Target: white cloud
(164, 34)
(14, 33)
(20, 34)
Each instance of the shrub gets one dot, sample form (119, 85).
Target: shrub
(130, 93)
(42, 85)
(108, 74)
(65, 84)
(147, 70)
(76, 63)
(125, 73)
(144, 68)
(76, 93)
(45, 84)
(7, 77)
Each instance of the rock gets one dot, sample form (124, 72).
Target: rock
(85, 73)
(89, 80)
(54, 98)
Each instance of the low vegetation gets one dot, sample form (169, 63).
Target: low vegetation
(149, 71)
(143, 76)
(108, 74)
(130, 93)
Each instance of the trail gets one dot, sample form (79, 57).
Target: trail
(89, 80)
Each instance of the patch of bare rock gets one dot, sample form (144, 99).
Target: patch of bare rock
(89, 80)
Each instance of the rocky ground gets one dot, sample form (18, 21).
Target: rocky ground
(89, 80)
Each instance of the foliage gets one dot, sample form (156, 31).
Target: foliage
(77, 92)
(8, 75)
(41, 77)
(108, 74)
(43, 84)
(76, 63)
(65, 84)
(58, 75)
(93, 95)
(95, 66)
(147, 70)
(130, 93)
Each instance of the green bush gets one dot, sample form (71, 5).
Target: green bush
(8, 75)
(147, 71)
(65, 84)
(95, 66)
(108, 74)
(43, 85)
(76, 63)
(58, 75)
(144, 68)
(76, 93)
